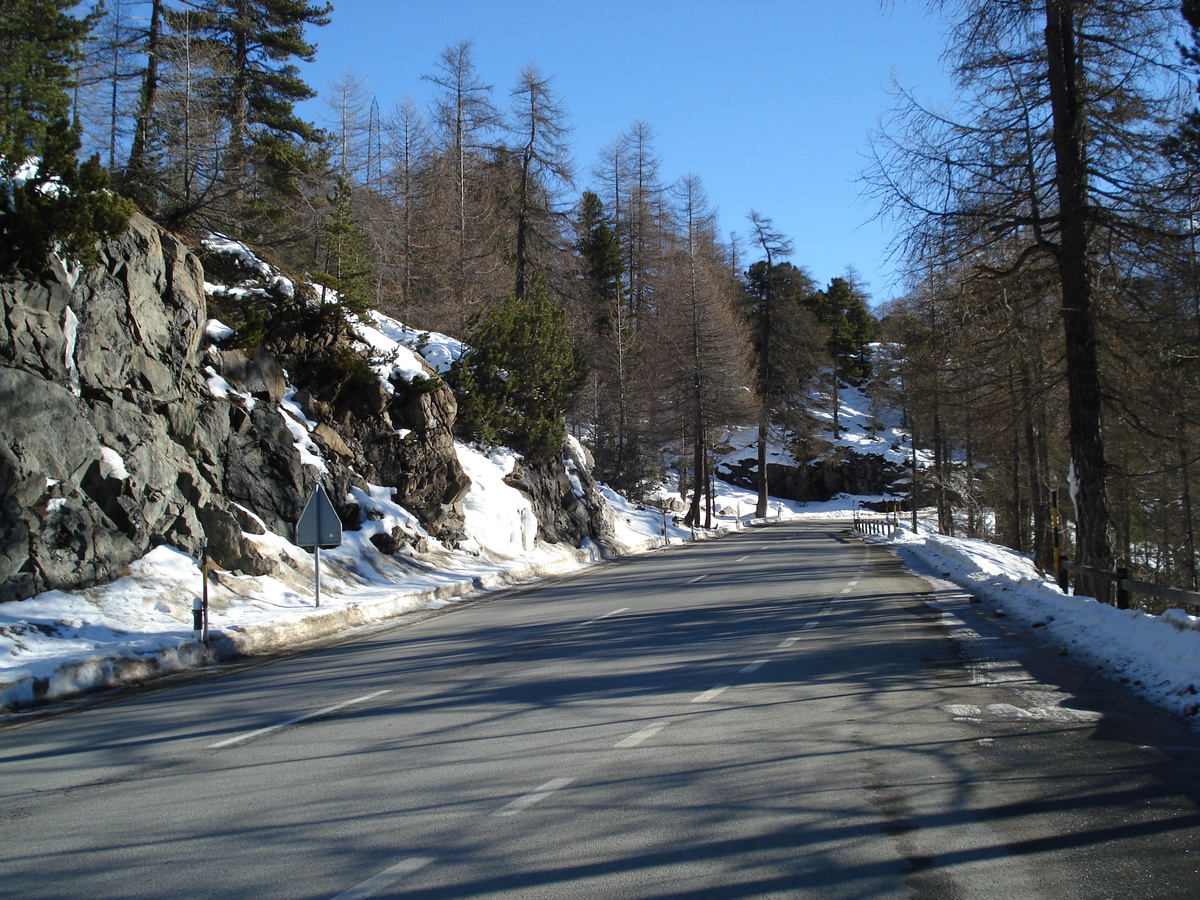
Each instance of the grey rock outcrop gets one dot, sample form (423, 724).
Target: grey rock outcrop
(110, 441)
(122, 427)
(565, 498)
(821, 479)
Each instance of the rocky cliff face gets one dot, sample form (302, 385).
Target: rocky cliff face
(844, 473)
(122, 426)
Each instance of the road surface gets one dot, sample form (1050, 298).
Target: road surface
(786, 712)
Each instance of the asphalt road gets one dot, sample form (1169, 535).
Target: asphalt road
(786, 712)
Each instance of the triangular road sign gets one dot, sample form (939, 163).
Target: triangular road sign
(319, 525)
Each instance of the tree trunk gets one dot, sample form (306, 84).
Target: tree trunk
(764, 428)
(135, 170)
(1089, 468)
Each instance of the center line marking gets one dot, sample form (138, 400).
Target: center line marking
(638, 736)
(523, 803)
(312, 715)
(385, 879)
(710, 694)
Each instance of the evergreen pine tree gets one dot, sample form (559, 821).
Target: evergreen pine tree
(616, 447)
(516, 382)
(346, 258)
(270, 148)
(46, 197)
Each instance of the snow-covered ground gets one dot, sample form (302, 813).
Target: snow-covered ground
(1158, 656)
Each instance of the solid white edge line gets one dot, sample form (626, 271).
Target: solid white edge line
(523, 803)
(638, 736)
(710, 694)
(312, 715)
(385, 879)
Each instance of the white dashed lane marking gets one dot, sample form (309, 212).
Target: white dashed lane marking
(387, 878)
(229, 742)
(523, 803)
(639, 736)
(711, 694)
(615, 612)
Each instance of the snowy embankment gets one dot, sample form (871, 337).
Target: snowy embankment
(57, 644)
(1158, 656)
(60, 644)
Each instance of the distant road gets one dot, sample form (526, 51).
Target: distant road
(775, 714)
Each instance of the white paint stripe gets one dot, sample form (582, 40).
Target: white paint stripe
(809, 626)
(753, 667)
(385, 879)
(615, 612)
(312, 715)
(789, 642)
(710, 694)
(698, 578)
(523, 803)
(743, 559)
(638, 736)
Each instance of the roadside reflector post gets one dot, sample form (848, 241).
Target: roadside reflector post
(1055, 526)
(198, 618)
(204, 588)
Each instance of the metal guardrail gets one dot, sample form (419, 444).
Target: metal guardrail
(884, 525)
(1127, 586)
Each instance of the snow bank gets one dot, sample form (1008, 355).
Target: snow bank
(59, 644)
(1158, 656)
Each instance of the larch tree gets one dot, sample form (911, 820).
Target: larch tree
(539, 132)
(347, 120)
(775, 246)
(108, 82)
(406, 157)
(1053, 153)
(708, 370)
(465, 120)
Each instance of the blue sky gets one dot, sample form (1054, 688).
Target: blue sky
(769, 102)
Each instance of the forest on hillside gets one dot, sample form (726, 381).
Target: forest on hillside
(1047, 344)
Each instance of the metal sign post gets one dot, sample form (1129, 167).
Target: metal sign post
(204, 584)
(319, 527)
